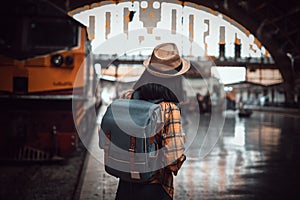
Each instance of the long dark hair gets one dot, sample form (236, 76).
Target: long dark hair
(152, 88)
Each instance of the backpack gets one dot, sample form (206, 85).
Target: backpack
(128, 135)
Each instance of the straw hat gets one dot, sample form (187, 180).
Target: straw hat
(164, 60)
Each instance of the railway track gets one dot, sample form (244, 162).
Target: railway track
(43, 180)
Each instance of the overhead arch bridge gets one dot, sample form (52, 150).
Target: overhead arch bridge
(273, 23)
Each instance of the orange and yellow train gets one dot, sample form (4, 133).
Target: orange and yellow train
(44, 58)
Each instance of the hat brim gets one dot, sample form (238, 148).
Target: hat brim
(185, 67)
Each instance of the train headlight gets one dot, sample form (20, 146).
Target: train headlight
(69, 60)
(57, 60)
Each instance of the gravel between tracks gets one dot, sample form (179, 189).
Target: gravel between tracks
(41, 181)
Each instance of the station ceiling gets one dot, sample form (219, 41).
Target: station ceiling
(275, 23)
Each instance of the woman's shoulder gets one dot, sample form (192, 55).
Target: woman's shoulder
(168, 106)
(127, 94)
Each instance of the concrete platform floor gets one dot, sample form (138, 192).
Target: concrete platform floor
(254, 158)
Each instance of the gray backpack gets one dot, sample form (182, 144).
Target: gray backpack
(128, 136)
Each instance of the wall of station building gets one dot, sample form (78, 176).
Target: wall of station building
(260, 95)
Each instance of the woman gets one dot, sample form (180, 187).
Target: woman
(161, 82)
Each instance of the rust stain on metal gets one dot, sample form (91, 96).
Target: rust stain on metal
(91, 27)
(141, 39)
(107, 23)
(222, 35)
(126, 20)
(191, 27)
(173, 26)
(237, 40)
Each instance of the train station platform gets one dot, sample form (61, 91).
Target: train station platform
(255, 158)
(293, 111)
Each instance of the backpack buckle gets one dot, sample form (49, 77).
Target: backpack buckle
(135, 175)
(132, 144)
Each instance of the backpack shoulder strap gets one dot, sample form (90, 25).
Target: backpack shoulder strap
(136, 95)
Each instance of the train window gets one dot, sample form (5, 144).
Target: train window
(52, 34)
(32, 28)
(29, 37)
(7, 37)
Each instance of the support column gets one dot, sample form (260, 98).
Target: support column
(288, 85)
(237, 48)
(222, 51)
(222, 43)
(297, 79)
(272, 96)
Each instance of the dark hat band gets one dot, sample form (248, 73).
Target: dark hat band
(172, 71)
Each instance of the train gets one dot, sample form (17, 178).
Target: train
(48, 86)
